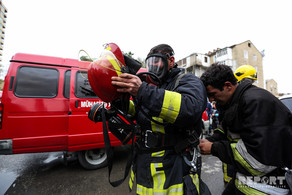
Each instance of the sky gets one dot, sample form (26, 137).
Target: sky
(63, 27)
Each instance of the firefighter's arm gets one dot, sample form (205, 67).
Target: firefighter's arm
(182, 107)
(193, 100)
(220, 149)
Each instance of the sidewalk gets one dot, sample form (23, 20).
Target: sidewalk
(212, 174)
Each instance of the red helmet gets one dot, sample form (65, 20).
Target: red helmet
(101, 70)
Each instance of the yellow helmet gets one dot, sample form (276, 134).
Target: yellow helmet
(245, 71)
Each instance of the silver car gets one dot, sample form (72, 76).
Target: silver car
(287, 100)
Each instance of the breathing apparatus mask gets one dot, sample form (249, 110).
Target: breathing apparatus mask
(157, 64)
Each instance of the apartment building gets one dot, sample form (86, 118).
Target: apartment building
(272, 86)
(3, 16)
(233, 56)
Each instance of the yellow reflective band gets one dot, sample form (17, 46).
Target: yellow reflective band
(115, 64)
(109, 48)
(132, 110)
(158, 154)
(157, 176)
(241, 161)
(226, 177)
(172, 190)
(196, 181)
(131, 180)
(171, 106)
(220, 130)
(246, 189)
(232, 140)
(156, 127)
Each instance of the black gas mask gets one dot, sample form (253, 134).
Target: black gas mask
(158, 65)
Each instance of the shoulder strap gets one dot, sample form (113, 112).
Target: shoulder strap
(178, 78)
(109, 153)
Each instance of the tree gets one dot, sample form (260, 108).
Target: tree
(86, 58)
(129, 54)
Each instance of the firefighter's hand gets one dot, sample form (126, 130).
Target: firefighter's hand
(127, 83)
(205, 146)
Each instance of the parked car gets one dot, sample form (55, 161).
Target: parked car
(45, 106)
(287, 100)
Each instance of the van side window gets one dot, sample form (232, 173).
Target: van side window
(82, 86)
(36, 82)
(66, 87)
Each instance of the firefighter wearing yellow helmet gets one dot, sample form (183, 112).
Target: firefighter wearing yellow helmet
(245, 72)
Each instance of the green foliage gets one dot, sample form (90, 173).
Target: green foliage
(129, 54)
(86, 58)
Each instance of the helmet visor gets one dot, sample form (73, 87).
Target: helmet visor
(155, 65)
(254, 76)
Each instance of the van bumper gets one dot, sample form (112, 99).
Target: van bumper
(6, 146)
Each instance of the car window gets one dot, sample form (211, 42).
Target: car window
(288, 103)
(82, 86)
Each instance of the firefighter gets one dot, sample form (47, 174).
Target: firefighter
(260, 127)
(245, 73)
(168, 108)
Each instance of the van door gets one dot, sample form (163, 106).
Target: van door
(35, 110)
(83, 133)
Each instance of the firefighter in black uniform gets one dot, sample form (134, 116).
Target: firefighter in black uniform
(169, 114)
(244, 73)
(260, 129)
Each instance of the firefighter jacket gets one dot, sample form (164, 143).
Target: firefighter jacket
(260, 127)
(178, 106)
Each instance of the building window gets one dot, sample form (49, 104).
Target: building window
(245, 54)
(254, 57)
(249, 44)
(221, 52)
(188, 61)
(184, 61)
(206, 59)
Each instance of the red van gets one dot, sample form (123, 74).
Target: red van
(44, 108)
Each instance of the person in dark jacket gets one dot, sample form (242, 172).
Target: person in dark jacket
(209, 112)
(214, 116)
(169, 113)
(259, 131)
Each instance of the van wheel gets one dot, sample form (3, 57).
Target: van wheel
(92, 159)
